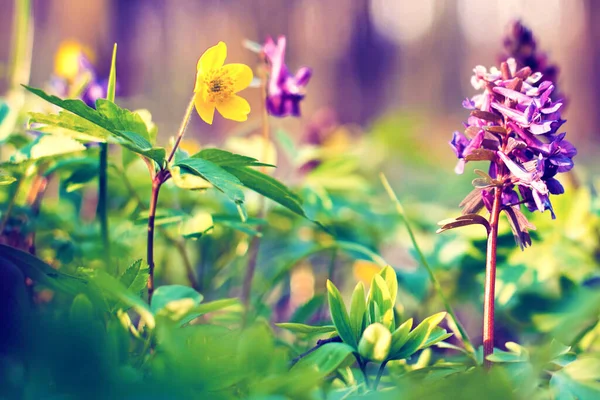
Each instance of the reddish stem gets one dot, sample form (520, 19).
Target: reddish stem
(490, 279)
(156, 182)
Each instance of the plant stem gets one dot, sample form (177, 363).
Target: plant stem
(182, 127)
(490, 279)
(179, 245)
(255, 243)
(379, 374)
(20, 67)
(436, 284)
(363, 367)
(156, 182)
(102, 207)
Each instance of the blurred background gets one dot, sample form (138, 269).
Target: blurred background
(377, 63)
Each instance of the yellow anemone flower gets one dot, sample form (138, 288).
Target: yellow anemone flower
(217, 85)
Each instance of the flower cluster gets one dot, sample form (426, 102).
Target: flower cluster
(285, 91)
(514, 124)
(76, 76)
(520, 44)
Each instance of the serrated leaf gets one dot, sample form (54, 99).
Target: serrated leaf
(339, 315)
(418, 337)
(400, 336)
(326, 359)
(67, 124)
(107, 120)
(117, 291)
(306, 329)
(268, 187)
(375, 342)
(358, 307)
(135, 277)
(217, 176)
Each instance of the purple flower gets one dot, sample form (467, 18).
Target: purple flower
(464, 147)
(285, 91)
(520, 44)
(513, 124)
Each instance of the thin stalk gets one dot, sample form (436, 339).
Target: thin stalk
(20, 68)
(436, 284)
(379, 375)
(363, 368)
(490, 278)
(255, 243)
(102, 207)
(156, 183)
(182, 127)
(179, 245)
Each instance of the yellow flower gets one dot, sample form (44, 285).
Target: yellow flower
(217, 85)
(67, 61)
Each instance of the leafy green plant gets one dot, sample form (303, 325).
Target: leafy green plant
(370, 328)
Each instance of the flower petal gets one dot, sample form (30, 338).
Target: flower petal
(241, 74)
(205, 110)
(235, 108)
(213, 58)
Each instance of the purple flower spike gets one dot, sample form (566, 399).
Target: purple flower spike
(513, 124)
(285, 91)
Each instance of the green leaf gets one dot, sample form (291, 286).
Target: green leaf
(112, 77)
(339, 315)
(69, 125)
(217, 176)
(418, 337)
(135, 277)
(184, 315)
(46, 146)
(375, 342)
(358, 308)
(117, 291)
(578, 380)
(6, 179)
(226, 159)
(400, 336)
(268, 187)
(164, 295)
(306, 329)
(437, 335)
(326, 359)
(107, 120)
(389, 276)
(42, 273)
(380, 295)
